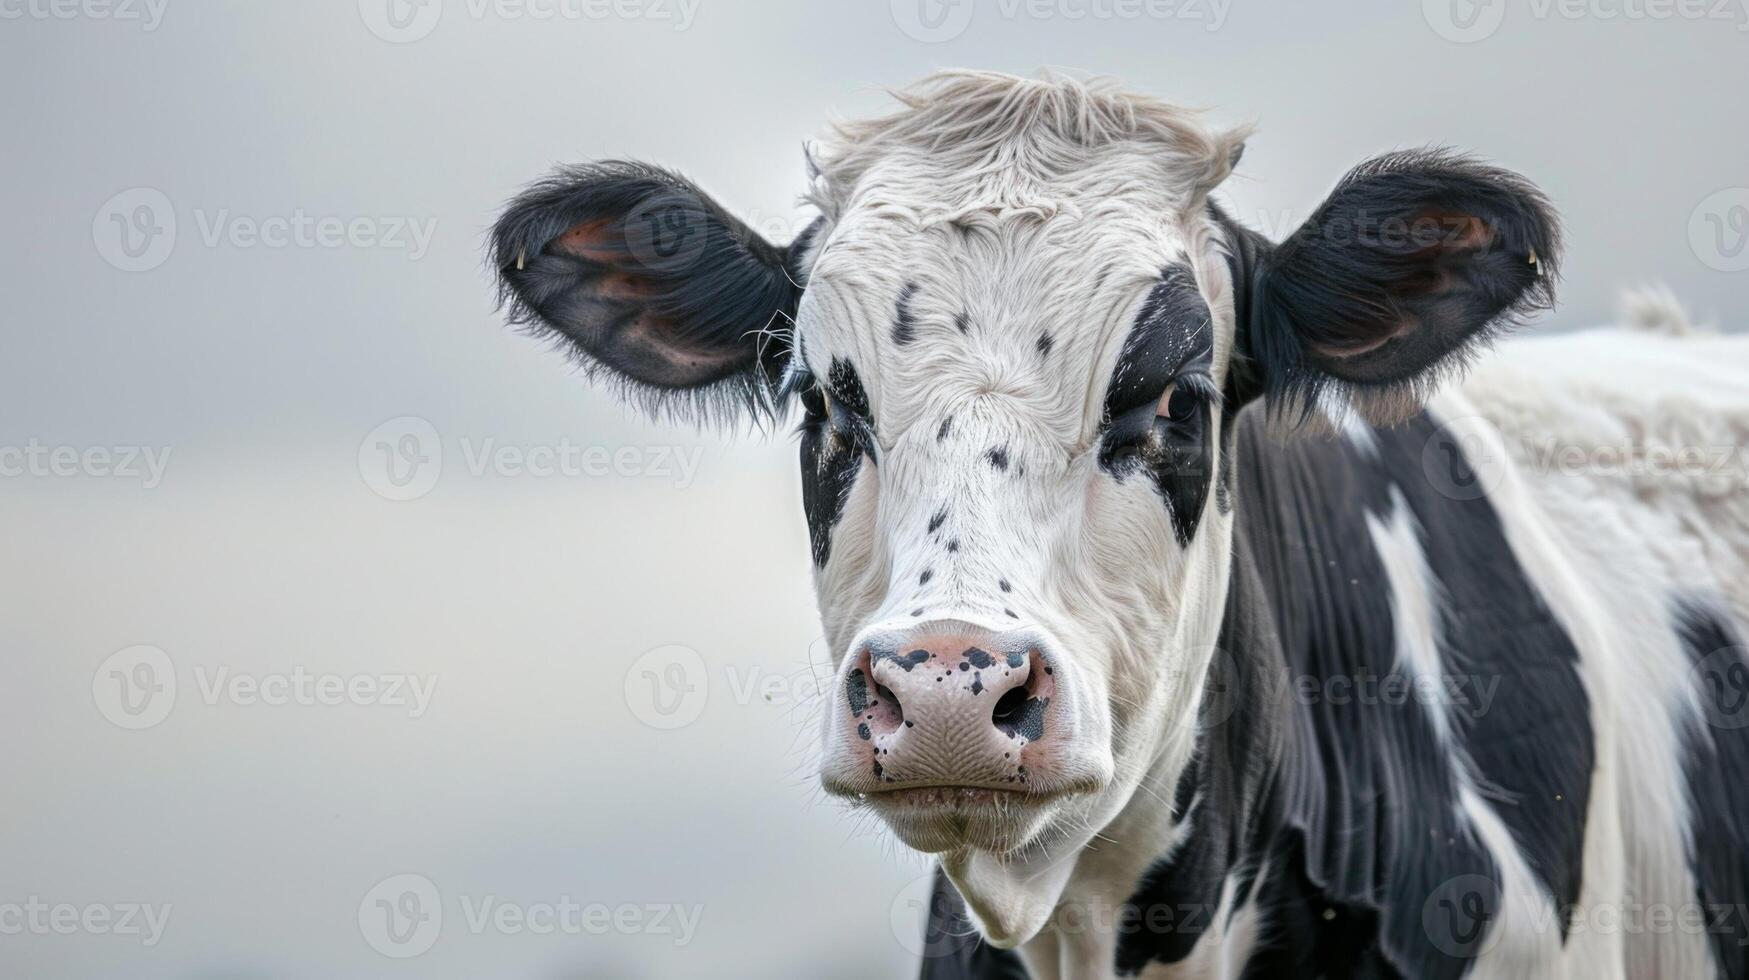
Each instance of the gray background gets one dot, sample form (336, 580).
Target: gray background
(263, 370)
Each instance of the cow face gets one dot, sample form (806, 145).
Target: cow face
(1014, 340)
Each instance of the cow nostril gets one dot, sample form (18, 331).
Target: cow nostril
(883, 695)
(1009, 709)
(874, 707)
(1020, 712)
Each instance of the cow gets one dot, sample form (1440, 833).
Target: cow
(1208, 605)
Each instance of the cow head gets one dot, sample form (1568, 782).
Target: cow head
(1015, 338)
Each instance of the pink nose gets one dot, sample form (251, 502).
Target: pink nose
(951, 706)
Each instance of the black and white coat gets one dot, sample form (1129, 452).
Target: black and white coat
(1358, 673)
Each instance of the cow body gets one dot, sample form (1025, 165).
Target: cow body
(1465, 722)
(1170, 683)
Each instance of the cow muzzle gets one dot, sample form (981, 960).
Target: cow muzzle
(947, 716)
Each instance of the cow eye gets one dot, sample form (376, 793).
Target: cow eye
(814, 402)
(1179, 404)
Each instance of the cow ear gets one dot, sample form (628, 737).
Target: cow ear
(1415, 261)
(641, 276)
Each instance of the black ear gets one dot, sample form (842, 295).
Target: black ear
(641, 275)
(1415, 261)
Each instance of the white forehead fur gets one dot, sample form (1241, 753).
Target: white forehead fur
(996, 143)
(1029, 206)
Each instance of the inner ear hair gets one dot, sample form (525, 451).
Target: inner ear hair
(641, 278)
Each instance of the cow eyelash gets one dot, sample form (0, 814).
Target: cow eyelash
(1196, 385)
(816, 406)
(822, 408)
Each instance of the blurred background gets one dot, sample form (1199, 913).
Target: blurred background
(347, 633)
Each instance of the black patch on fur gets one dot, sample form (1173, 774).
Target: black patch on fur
(936, 521)
(1172, 342)
(847, 388)
(928, 573)
(856, 689)
(1044, 344)
(833, 446)
(1716, 766)
(953, 545)
(641, 276)
(1173, 328)
(904, 662)
(1312, 934)
(904, 321)
(998, 457)
(946, 427)
(963, 322)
